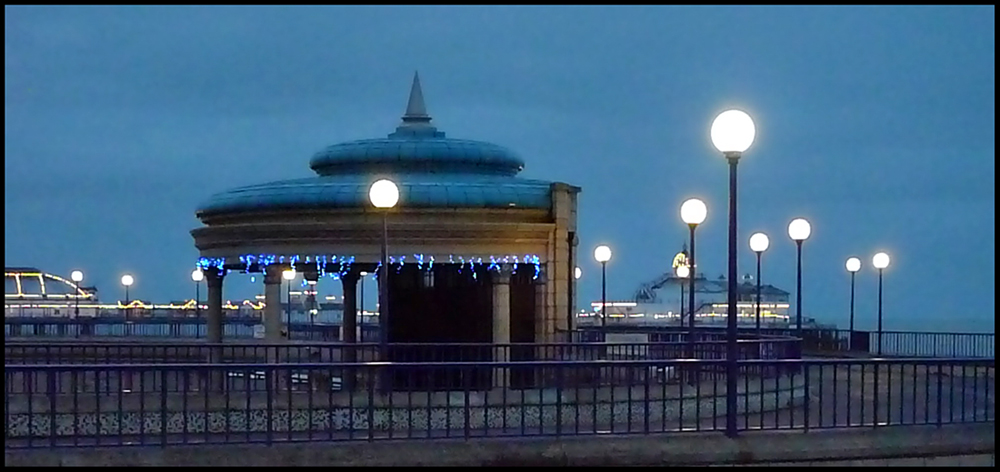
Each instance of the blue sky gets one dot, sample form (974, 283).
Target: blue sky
(875, 123)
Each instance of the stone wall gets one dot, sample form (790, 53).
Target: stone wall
(948, 445)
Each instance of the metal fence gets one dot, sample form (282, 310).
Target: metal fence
(824, 340)
(95, 352)
(199, 403)
(894, 343)
(164, 327)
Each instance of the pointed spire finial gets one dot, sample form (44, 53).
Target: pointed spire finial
(416, 110)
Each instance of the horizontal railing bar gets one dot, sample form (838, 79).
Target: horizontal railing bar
(534, 363)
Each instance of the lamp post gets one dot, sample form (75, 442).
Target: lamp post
(693, 213)
(577, 273)
(289, 276)
(732, 133)
(313, 311)
(603, 254)
(197, 276)
(77, 277)
(127, 281)
(799, 230)
(384, 194)
(362, 321)
(758, 244)
(880, 262)
(682, 272)
(853, 266)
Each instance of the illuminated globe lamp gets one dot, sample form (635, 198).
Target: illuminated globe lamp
(603, 254)
(853, 265)
(384, 194)
(732, 133)
(578, 273)
(759, 243)
(799, 230)
(880, 261)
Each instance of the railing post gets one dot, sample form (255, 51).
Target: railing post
(875, 402)
(939, 393)
(807, 400)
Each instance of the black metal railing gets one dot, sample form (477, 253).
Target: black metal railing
(824, 340)
(198, 403)
(93, 352)
(163, 327)
(820, 340)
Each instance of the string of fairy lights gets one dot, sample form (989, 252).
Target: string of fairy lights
(335, 266)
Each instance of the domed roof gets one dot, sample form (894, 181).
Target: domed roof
(416, 147)
(423, 150)
(430, 169)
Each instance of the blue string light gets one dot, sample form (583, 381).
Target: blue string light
(258, 263)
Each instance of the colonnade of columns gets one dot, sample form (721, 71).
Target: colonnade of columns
(275, 331)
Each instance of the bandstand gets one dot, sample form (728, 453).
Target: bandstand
(476, 253)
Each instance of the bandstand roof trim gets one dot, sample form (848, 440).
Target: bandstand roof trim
(418, 191)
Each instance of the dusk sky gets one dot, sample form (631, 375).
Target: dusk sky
(875, 123)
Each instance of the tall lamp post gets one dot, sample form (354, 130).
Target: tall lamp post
(799, 230)
(361, 323)
(384, 194)
(197, 276)
(127, 281)
(77, 277)
(758, 244)
(853, 266)
(693, 213)
(732, 133)
(313, 310)
(603, 254)
(880, 262)
(577, 273)
(289, 276)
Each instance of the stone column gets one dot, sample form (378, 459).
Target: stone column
(501, 323)
(272, 303)
(349, 326)
(214, 319)
(272, 321)
(214, 324)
